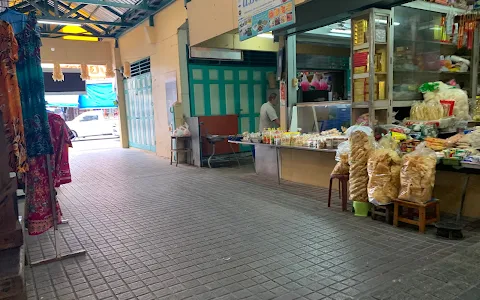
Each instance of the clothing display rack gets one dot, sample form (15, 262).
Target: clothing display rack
(53, 203)
(49, 158)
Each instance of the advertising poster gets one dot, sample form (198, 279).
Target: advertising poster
(260, 16)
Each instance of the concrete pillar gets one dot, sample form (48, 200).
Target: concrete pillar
(122, 106)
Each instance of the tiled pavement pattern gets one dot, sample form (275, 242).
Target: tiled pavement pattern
(153, 231)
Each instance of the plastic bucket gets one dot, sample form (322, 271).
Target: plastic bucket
(361, 208)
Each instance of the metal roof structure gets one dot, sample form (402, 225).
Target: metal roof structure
(102, 19)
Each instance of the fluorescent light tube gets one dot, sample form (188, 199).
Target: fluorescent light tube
(343, 31)
(58, 23)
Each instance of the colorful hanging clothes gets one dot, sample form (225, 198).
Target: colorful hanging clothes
(61, 142)
(40, 217)
(37, 197)
(32, 90)
(10, 100)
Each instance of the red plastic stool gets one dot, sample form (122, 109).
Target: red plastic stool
(342, 189)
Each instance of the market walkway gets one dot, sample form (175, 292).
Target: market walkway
(153, 231)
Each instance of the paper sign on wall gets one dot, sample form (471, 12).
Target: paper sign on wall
(260, 16)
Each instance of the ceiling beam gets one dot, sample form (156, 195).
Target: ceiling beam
(73, 11)
(53, 33)
(80, 14)
(18, 5)
(113, 11)
(47, 14)
(55, 7)
(113, 4)
(42, 9)
(158, 8)
(78, 21)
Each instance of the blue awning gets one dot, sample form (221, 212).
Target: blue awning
(62, 100)
(99, 95)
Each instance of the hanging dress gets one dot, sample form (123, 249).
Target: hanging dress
(61, 142)
(10, 100)
(37, 131)
(39, 217)
(37, 197)
(32, 90)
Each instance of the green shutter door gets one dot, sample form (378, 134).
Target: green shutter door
(216, 91)
(140, 117)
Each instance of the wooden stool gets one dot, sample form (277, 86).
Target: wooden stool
(385, 211)
(342, 189)
(423, 219)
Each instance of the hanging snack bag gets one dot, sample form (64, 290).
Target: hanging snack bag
(315, 82)
(360, 138)
(305, 84)
(383, 168)
(417, 177)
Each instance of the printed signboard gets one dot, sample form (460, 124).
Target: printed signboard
(261, 16)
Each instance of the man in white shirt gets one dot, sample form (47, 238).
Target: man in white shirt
(268, 115)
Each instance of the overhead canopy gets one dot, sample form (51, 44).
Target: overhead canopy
(318, 13)
(62, 100)
(100, 95)
(100, 18)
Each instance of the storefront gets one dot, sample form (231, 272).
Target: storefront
(413, 44)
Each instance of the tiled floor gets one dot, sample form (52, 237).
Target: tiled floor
(153, 231)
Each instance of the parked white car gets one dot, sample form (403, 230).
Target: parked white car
(91, 123)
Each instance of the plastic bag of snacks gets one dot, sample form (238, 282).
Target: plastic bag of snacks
(182, 131)
(360, 138)
(342, 167)
(417, 177)
(315, 82)
(427, 111)
(383, 169)
(437, 91)
(305, 84)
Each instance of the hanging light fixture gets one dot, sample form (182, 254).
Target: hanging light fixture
(57, 74)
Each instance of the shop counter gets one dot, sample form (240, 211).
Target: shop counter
(451, 185)
(313, 167)
(296, 164)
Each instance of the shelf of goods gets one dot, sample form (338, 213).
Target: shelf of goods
(371, 64)
(425, 48)
(406, 47)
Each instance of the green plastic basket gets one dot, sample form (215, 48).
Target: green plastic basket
(361, 208)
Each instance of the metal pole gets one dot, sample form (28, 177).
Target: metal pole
(53, 203)
(474, 69)
(277, 151)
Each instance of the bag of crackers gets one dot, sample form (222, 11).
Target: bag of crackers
(342, 167)
(417, 177)
(383, 169)
(361, 144)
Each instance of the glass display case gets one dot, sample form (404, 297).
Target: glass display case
(321, 116)
(423, 46)
(371, 65)
(408, 46)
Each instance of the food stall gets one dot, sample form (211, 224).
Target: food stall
(423, 76)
